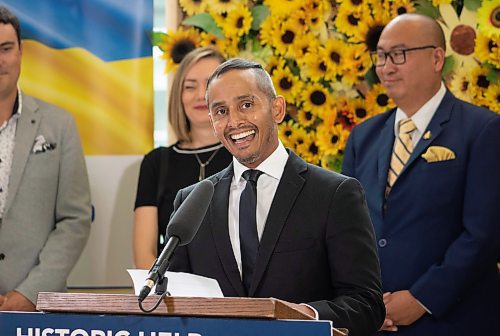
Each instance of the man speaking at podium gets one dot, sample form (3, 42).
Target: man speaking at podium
(277, 226)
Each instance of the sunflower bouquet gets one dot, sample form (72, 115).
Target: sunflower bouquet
(317, 53)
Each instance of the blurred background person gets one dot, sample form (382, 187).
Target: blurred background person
(430, 171)
(196, 154)
(45, 209)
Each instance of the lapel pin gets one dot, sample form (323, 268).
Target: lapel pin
(427, 135)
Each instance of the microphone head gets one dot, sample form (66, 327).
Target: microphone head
(187, 219)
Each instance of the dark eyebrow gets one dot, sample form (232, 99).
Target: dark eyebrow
(8, 43)
(397, 46)
(216, 104)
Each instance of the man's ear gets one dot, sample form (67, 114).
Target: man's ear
(439, 59)
(279, 109)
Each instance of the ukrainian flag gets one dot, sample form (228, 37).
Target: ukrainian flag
(94, 59)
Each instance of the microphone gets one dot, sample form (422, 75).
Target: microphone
(181, 230)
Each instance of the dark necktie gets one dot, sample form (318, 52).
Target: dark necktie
(249, 239)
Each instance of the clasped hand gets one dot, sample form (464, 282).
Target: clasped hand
(401, 309)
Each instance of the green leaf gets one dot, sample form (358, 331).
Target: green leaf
(259, 14)
(336, 163)
(206, 22)
(157, 38)
(371, 77)
(425, 7)
(472, 5)
(449, 65)
(492, 76)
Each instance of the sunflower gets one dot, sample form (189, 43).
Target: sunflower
(479, 81)
(460, 34)
(313, 67)
(284, 40)
(221, 6)
(488, 49)
(286, 84)
(210, 40)
(304, 44)
(238, 22)
(333, 53)
(317, 12)
(349, 20)
(460, 84)
(377, 100)
(492, 98)
(488, 17)
(192, 7)
(307, 118)
(315, 98)
(231, 48)
(282, 8)
(359, 111)
(275, 62)
(402, 7)
(331, 139)
(308, 148)
(357, 63)
(269, 28)
(298, 137)
(285, 131)
(177, 44)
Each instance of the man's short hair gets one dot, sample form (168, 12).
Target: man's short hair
(7, 17)
(262, 78)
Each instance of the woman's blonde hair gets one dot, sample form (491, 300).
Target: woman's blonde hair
(176, 113)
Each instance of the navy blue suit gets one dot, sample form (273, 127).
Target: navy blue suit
(438, 233)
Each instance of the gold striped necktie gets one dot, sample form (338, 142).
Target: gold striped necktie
(403, 147)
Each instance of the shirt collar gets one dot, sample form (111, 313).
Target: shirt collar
(272, 166)
(424, 115)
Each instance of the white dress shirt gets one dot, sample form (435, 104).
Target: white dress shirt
(267, 184)
(422, 117)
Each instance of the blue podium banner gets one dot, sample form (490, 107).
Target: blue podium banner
(52, 324)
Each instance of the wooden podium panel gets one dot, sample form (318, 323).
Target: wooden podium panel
(127, 304)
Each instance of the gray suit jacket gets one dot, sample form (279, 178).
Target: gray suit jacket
(46, 220)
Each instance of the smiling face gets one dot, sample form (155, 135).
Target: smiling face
(413, 83)
(193, 91)
(10, 61)
(243, 117)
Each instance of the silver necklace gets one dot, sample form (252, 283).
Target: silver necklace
(204, 164)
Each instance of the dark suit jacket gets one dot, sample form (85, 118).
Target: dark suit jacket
(438, 234)
(317, 247)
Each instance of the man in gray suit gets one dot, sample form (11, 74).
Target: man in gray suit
(44, 191)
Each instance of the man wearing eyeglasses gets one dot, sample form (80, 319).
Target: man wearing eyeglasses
(430, 169)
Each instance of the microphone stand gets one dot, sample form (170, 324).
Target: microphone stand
(157, 275)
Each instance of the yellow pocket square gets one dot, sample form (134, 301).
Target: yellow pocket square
(438, 153)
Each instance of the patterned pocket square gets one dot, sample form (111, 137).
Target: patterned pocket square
(41, 145)
(438, 153)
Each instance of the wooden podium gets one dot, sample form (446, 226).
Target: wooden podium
(126, 304)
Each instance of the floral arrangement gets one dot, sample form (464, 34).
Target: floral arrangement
(317, 52)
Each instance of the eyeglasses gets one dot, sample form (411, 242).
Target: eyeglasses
(398, 56)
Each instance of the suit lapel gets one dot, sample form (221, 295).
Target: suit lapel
(435, 127)
(27, 126)
(386, 144)
(218, 217)
(288, 189)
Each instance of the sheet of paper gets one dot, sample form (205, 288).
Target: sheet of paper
(179, 284)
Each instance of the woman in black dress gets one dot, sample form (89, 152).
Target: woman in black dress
(196, 154)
